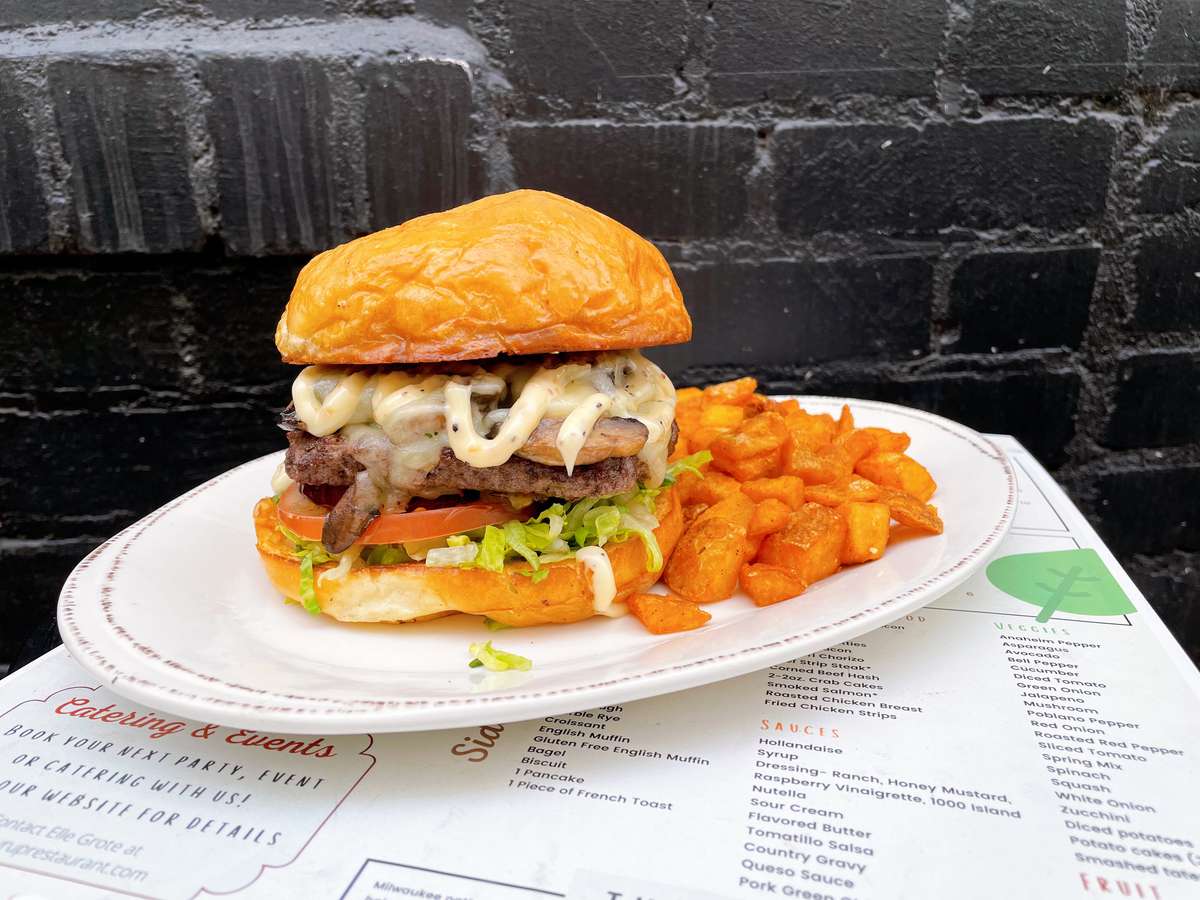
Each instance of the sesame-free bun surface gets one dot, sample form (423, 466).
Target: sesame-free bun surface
(412, 591)
(516, 273)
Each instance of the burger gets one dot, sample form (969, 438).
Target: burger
(475, 429)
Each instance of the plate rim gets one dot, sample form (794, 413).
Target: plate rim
(346, 715)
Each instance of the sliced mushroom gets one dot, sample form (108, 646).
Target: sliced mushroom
(350, 517)
(610, 437)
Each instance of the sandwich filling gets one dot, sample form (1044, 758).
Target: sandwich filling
(565, 428)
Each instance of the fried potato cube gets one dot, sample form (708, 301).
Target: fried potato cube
(758, 404)
(766, 466)
(898, 471)
(688, 419)
(708, 487)
(701, 437)
(666, 614)
(759, 436)
(692, 512)
(810, 431)
(908, 510)
(754, 543)
(844, 490)
(787, 407)
(810, 545)
(788, 488)
(867, 528)
(851, 446)
(722, 416)
(736, 508)
(767, 584)
(704, 567)
(688, 396)
(769, 516)
(844, 452)
(810, 466)
(895, 441)
(737, 392)
(845, 421)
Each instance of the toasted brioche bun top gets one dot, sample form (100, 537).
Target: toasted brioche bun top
(524, 272)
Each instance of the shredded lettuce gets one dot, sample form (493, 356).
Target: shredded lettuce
(554, 534)
(562, 528)
(492, 547)
(461, 555)
(308, 591)
(384, 555)
(493, 625)
(690, 463)
(487, 656)
(302, 546)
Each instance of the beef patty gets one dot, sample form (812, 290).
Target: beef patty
(329, 460)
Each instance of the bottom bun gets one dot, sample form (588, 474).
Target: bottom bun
(413, 591)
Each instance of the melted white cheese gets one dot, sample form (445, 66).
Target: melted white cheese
(280, 481)
(343, 567)
(604, 583)
(419, 413)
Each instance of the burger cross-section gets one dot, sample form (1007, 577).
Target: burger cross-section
(475, 428)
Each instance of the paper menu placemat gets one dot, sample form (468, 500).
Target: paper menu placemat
(1033, 733)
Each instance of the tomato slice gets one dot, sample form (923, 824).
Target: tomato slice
(421, 523)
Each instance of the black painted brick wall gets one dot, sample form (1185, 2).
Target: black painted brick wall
(991, 210)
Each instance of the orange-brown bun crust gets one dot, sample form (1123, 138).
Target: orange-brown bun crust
(523, 272)
(413, 591)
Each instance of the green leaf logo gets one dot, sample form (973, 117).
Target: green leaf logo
(1070, 581)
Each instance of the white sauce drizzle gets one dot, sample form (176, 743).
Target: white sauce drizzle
(420, 413)
(518, 425)
(322, 417)
(577, 427)
(604, 584)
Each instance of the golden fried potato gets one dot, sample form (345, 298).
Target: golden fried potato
(767, 584)
(868, 526)
(908, 510)
(813, 492)
(711, 487)
(704, 566)
(787, 488)
(735, 507)
(666, 614)
(722, 416)
(844, 490)
(896, 441)
(811, 466)
(809, 431)
(755, 467)
(810, 545)
(692, 512)
(765, 433)
(898, 471)
(769, 516)
(738, 391)
(845, 421)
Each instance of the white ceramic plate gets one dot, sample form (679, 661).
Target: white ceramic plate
(176, 613)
